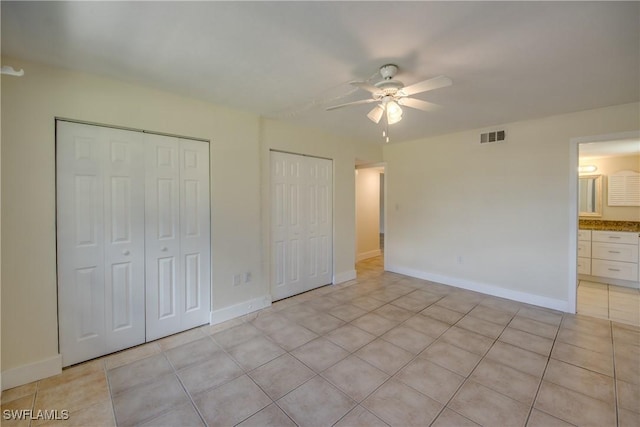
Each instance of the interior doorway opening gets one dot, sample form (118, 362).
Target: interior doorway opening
(370, 213)
(608, 226)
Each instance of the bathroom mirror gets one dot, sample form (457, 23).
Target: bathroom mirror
(590, 195)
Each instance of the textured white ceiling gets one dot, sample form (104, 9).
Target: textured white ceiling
(509, 61)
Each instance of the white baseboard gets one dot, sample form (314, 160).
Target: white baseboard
(237, 310)
(25, 374)
(345, 276)
(370, 254)
(497, 291)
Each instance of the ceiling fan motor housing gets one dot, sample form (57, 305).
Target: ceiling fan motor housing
(388, 71)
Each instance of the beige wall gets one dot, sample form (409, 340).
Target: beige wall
(238, 144)
(608, 166)
(367, 213)
(491, 217)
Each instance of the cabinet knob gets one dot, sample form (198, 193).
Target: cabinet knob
(125, 252)
(164, 249)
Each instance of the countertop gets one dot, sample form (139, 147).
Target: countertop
(597, 224)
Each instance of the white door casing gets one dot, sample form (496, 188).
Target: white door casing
(302, 228)
(133, 230)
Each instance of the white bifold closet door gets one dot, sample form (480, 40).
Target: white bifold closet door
(301, 223)
(122, 198)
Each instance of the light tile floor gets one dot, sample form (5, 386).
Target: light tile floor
(611, 302)
(384, 349)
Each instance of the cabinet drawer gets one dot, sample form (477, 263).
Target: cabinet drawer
(584, 249)
(614, 252)
(615, 237)
(584, 265)
(614, 269)
(584, 235)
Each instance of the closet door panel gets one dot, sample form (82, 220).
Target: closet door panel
(80, 242)
(124, 239)
(162, 243)
(320, 225)
(195, 227)
(288, 253)
(301, 224)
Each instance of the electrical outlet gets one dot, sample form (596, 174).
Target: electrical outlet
(247, 277)
(236, 280)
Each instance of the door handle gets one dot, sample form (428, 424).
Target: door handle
(125, 252)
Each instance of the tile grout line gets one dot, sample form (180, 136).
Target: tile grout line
(544, 371)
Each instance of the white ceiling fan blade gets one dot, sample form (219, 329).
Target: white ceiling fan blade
(431, 84)
(418, 104)
(366, 86)
(363, 101)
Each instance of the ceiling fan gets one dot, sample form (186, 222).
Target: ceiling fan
(391, 94)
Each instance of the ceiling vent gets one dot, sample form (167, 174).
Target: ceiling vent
(493, 136)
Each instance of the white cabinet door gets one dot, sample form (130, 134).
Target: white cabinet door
(302, 228)
(100, 238)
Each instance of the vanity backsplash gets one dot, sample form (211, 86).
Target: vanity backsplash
(596, 224)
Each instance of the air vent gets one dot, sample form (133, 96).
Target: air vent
(493, 136)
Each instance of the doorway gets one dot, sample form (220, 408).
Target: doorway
(370, 217)
(607, 229)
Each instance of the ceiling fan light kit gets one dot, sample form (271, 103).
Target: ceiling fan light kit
(390, 94)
